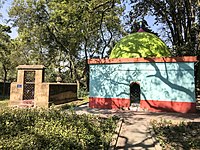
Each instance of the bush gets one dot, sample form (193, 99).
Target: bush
(53, 129)
(3, 103)
(82, 92)
(184, 135)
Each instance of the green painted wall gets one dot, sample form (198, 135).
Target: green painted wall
(140, 44)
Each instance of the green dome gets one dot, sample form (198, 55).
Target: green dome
(140, 44)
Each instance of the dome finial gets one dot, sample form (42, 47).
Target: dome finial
(140, 30)
(140, 24)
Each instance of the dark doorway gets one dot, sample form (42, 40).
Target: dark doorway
(29, 85)
(135, 92)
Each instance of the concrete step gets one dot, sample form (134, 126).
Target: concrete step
(25, 105)
(27, 102)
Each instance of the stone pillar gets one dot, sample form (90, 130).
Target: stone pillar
(20, 76)
(41, 95)
(39, 76)
(16, 89)
(41, 98)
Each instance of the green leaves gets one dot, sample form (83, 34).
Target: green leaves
(176, 20)
(53, 129)
(68, 32)
(177, 135)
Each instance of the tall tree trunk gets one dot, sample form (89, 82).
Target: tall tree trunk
(86, 64)
(71, 70)
(198, 49)
(78, 87)
(4, 80)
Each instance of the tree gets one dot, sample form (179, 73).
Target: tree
(71, 30)
(5, 53)
(177, 18)
(136, 25)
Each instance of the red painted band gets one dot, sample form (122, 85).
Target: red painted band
(168, 106)
(131, 60)
(108, 103)
(150, 105)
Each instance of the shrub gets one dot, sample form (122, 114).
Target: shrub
(82, 92)
(3, 103)
(184, 135)
(53, 129)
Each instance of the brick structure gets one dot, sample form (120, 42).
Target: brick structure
(31, 90)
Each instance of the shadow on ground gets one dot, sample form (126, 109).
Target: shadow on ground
(141, 114)
(135, 132)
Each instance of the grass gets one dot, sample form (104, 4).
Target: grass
(3, 103)
(183, 135)
(72, 104)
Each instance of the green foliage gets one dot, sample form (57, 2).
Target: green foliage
(136, 25)
(177, 19)
(184, 135)
(3, 103)
(62, 34)
(4, 45)
(6, 53)
(53, 129)
(73, 104)
(82, 92)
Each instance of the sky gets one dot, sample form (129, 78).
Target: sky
(150, 19)
(4, 12)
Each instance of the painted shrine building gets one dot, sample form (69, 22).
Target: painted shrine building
(141, 72)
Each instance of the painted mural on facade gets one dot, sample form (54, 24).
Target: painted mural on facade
(163, 85)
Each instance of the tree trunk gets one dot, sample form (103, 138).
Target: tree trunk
(71, 70)
(86, 64)
(78, 87)
(4, 80)
(198, 50)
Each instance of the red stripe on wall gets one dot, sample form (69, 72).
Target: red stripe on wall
(128, 60)
(150, 105)
(168, 106)
(108, 103)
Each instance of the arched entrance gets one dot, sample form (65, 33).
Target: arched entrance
(135, 93)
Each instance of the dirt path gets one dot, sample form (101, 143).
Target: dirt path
(135, 133)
